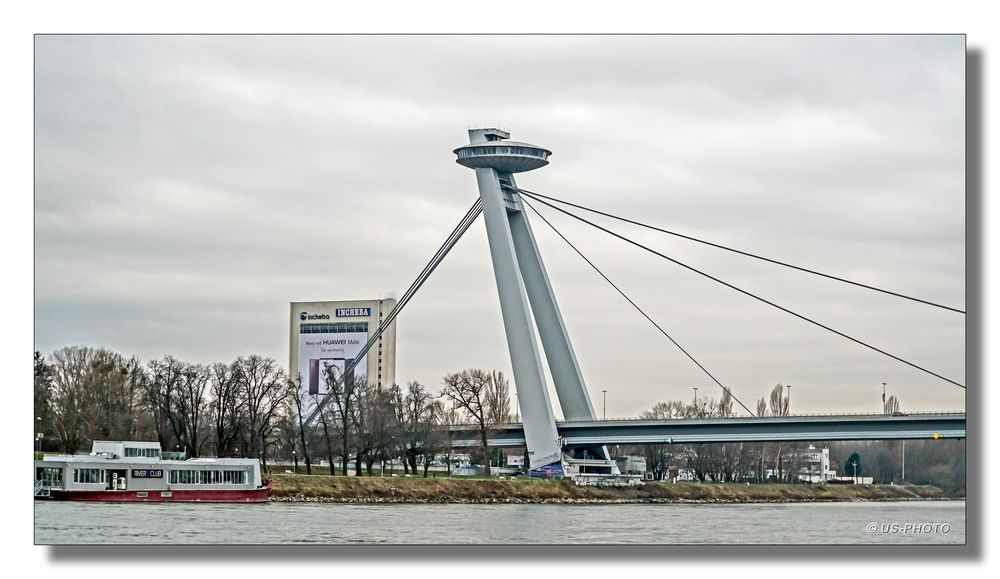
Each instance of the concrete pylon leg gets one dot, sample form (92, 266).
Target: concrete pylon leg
(541, 436)
(526, 296)
(571, 389)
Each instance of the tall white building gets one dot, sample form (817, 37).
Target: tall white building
(331, 334)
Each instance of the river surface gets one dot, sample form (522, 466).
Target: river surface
(59, 523)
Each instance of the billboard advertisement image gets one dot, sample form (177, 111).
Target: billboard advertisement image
(319, 352)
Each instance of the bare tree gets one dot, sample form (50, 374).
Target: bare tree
(92, 394)
(450, 414)
(115, 395)
(376, 425)
(469, 391)
(226, 406)
(134, 380)
(176, 393)
(159, 396)
(72, 375)
(759, 448)
(730, 454)
(191, 404)
(702, 458)
(657, 454)
(416, 412)
(436, 436)
(891, 406)
(342, 392)
(43, 400)
(326, 420)
(263, 388)
(498, 398)
(778, 405)
(299, 395)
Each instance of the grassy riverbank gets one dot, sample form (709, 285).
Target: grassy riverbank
(321, 488)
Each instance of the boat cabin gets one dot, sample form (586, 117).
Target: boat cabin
(142, 466)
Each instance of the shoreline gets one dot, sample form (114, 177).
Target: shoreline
(396, 490)
(651, 501)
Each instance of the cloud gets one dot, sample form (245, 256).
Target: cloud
(189, 187)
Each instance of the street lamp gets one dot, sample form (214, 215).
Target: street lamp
(295, 460)
(605, 404)
(695, 388)
(883, 397)
(902, 475)
(788, 399)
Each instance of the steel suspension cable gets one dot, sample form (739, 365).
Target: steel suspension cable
(470, 216)
(746, 253)
(636, 306)
(456, 234)
(449, 242)
(742, 291)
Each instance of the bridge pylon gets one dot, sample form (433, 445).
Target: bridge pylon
(527, 301)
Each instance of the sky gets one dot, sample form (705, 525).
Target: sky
(187, 188)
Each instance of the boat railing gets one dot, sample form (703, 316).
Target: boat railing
(40, 489)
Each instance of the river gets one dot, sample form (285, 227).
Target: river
(58, 523)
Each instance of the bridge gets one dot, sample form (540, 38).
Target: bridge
(537, 336)
(910, 426)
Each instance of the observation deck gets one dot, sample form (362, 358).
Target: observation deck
(503, 155)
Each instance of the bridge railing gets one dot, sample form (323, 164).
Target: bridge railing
(809, 415)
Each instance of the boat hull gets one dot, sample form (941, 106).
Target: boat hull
(260, 495)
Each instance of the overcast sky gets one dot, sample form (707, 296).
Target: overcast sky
(189, 188)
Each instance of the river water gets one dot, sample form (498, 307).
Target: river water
(330, 523)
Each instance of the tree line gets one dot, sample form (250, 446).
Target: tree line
(938, 462)
(251, 407)
(84, 394)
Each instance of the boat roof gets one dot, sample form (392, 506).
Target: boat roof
(146, 460)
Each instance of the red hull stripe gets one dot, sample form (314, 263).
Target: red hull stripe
(161, 496)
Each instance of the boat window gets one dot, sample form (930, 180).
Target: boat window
(89, 475)
(146, 452)
(50, 476)
(208, 477)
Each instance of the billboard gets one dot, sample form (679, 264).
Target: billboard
(319, 352)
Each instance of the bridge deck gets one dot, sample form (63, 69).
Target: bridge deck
(735, 429)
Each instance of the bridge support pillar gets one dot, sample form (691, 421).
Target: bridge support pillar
(526, 296)
(540, 433)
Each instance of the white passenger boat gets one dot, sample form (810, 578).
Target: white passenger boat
(141, 472)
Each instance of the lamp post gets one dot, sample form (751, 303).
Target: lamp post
(695, 388)
(295, 461)
(605, 392)
(903, 474)
(883, 397)
(788, 400)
